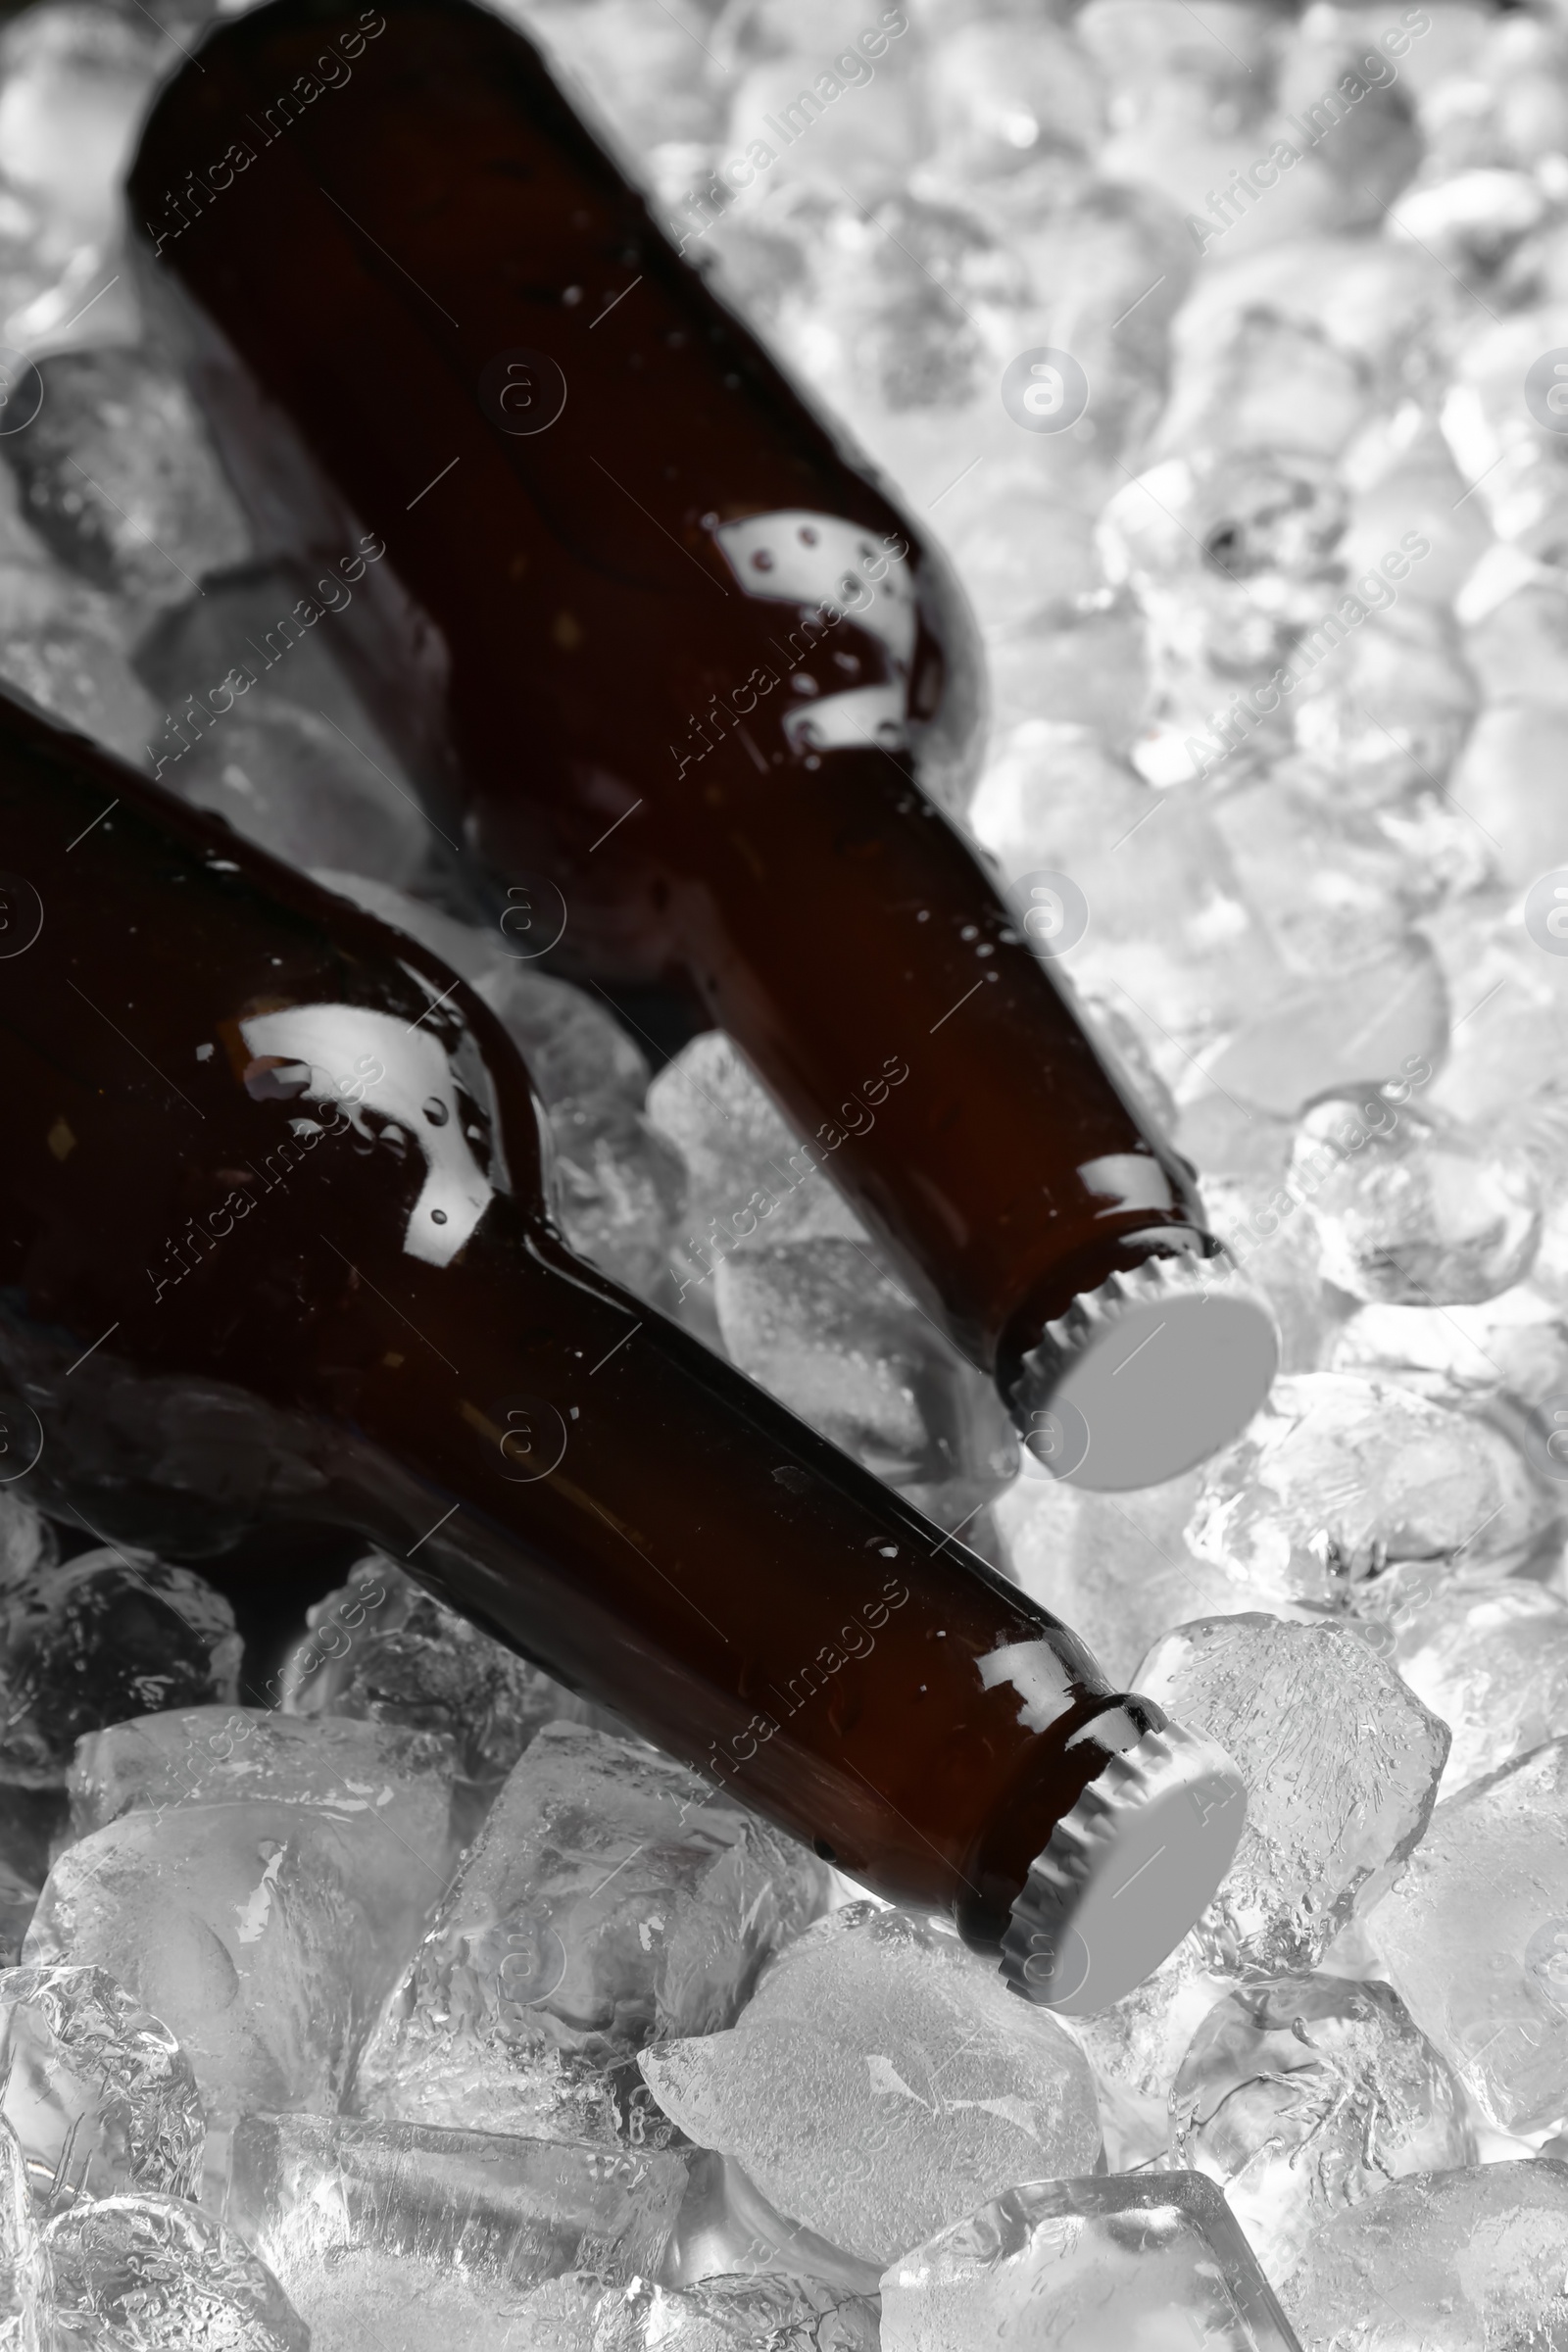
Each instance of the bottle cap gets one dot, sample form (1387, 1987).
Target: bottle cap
(1147, 1375)
(1129, 1870)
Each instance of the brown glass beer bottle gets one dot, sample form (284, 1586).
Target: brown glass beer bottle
(274, 1245)
(645, 630)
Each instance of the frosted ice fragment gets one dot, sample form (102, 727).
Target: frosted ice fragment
(155, 2275)
(881, 2081)
(1454, 2261)
(100, 2095)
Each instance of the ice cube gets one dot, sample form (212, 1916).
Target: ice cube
(259, 724)
(264, 1933)
(1336, 884)
(738, 2315)
(1504, 781)
(1342, 1764)
(23, 2269)
(1263, 381)
(1494, 1664)
(1421, 1214)
(750, 1175)
(619, 1189)
(821, 1327)
(75, 82)
(399, 1777)
(611, 1896)
(642, 66)
(1338, 1478)
(1475, 1938)
(1114, 1567)
(69, 659)
(28, 1539)
(1170, 943)
(1454, 2259)
(32, 1822)
(1346, 1031)
(383, 1649)
(1138, 2042)
(118, 480)
(1135, 2048)
(417, 2240)
(1393, 708)
(107, 1635)
(726, 2229)
(1308, 2094)
(881, 2082)
(162, 2276)
(1225, 537)
(1515, 1346)
(100, 2095)
(1153, 2261)
(1005, 88)
(921, 305)
(1259, 1223)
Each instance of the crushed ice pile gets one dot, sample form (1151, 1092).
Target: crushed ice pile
(1227, 352)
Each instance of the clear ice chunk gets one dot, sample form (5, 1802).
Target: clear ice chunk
(100, 2095)
(32, 1821)
(1170, 943)
(67, 656)
(1117, 1568)
(882, 2081)
(419, 2239)
(1153, 2261)
(1493, 1664)
(738, 2315)
(384, 1651)
(751, 1174)
(158, 2274)
(612, 1896)
(1342, 1764)
(1475, 1938)
(118, 480)
(402, 1779)
(1347, 1029)
(1137, 2043)
(726, 2229)
(264, 1933)
(1337, 1479)
(1307, 2094)
(618, 1191)
(821, 1327)
(23, 2270)
(107, 1635)
(1420, 1214)
(1515, 1346)
(1445, 2262)
(292, 759)
(28, 1539)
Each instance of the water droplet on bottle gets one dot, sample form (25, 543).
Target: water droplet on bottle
(435, 1110)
